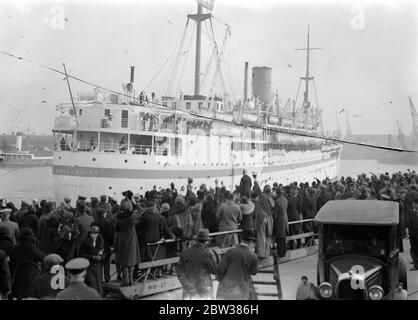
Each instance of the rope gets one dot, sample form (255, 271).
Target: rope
(278, 130)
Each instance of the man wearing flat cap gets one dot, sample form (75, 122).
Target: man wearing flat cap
(195, 267)
(78, 290)
(50, 283)
(235, 271)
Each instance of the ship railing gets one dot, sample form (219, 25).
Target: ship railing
(16, 156)
(221, 241)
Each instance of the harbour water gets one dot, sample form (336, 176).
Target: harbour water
(22, 183)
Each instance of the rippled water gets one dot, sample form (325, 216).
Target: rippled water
(36, 182)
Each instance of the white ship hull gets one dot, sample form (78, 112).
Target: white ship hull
(76, 173)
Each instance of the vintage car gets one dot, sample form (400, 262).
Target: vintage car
(359, 256)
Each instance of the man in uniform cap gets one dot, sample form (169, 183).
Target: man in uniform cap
(195, 267)
(78, 290)
(50, 283)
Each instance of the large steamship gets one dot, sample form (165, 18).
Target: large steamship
(108, 143)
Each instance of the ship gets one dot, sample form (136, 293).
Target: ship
(106, 143)
(15, 156)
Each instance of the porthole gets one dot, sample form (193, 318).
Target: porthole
(94, 159)
(145, 161)
(110, 188)
(59, 157)
(126, 161)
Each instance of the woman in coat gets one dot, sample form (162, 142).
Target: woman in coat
(126, 246)
(25, 261)
(263, 227)
(92, 250)
(247, 209)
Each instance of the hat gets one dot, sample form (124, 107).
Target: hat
(82, 198)
(103, 198)
(137, 196)
(77, 265)
(203, 235)
(5, 211)
(165, 207)
(94, 229)
(67, 199)
(128, 193)
(244, 200)
(53, 259)
(248, 235)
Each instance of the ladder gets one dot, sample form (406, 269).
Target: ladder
(275, 283)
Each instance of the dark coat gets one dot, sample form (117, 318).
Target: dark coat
(310, 206)
(48, 235)
(280, 222)
(5, 277)
(92, 253)
(293, 213)
(245, 186)
(209, 215)
(82, 223)
(43, 288)
(126, 240)
(150, 229)
(30, 220)
(6, 244)
(235, 271)
(196, 264)
(78, 291)
(25, 259)
(106, 231)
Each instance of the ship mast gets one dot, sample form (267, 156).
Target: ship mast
(198, 17)
(307, 78)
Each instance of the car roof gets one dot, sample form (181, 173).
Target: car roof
(359, 212)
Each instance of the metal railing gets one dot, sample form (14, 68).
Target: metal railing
(158, 263)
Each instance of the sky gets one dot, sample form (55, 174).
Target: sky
(368, 64)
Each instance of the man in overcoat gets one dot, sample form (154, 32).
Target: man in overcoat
(235, 271)
(195, 267)
(245, 184)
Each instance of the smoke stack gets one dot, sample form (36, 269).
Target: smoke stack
(245, 82)
(132, 73)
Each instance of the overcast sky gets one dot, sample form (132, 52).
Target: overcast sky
(368, 64)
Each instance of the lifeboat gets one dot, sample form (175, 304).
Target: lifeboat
(248, 117)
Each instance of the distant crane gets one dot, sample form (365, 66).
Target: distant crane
(401, 137)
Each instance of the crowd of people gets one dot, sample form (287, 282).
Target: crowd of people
(102, 230)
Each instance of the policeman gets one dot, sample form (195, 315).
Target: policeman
(400, 293)
(78, 290)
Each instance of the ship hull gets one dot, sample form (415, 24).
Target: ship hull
(112, 179)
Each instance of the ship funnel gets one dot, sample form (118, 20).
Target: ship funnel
(261, 83)
(245, 82)
(132, 73)
(19, 139)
